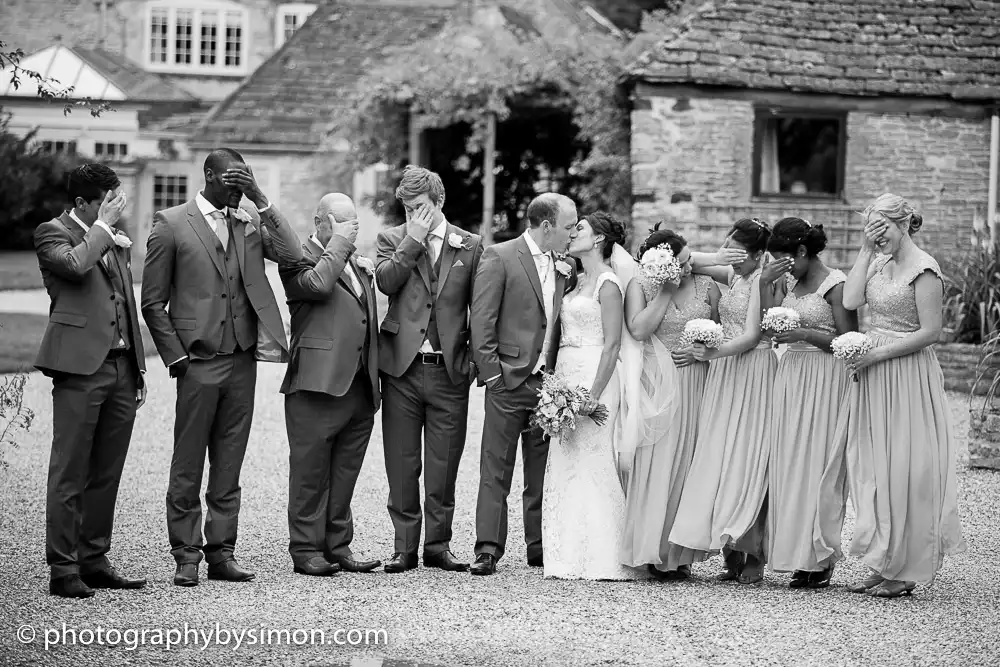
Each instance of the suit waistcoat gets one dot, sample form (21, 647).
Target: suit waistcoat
(122, 325)
(435, 273)
(239, 331)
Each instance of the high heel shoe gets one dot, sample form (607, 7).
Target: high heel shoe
(864, 586)
(893, 589)
(820, 579)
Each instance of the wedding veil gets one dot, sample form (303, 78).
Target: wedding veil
(648, 379)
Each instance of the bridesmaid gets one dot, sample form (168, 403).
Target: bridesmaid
(659, 470)
(896, 422)
(723, 505)
(809, 389)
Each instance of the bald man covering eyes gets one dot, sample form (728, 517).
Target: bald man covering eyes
(331, 389)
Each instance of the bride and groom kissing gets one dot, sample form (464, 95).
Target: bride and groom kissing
(533, 313)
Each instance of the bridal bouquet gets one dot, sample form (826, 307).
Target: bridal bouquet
(780, 320)
(851, 345)
(706, 332)
(658, 266)
(559, 406)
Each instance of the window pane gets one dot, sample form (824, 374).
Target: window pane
(98, 149)
(799, 155)
(158, 36)
(123, 150)
(169, 191)
(209, 38)
(234, 38)
(182, 43)
(291, 24)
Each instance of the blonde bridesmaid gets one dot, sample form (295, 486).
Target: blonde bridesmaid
(660, 468)
(809, 389)
(896, 422)
(723, 505)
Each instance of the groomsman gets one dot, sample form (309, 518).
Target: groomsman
(92, 350)
(212, 314)
(331, 389)
(426, 267)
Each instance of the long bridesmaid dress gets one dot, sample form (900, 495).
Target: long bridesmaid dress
(723, 502)
(658, 471)
(900, 444)
(809, 390)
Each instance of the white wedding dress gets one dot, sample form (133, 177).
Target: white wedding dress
(583, 503)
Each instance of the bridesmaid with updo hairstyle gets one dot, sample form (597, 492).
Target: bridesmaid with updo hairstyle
(723, 505)
(896, 422)
(805, 519)
(656, 316)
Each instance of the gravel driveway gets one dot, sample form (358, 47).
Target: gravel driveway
(513, 618)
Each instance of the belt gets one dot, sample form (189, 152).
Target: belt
(118, 353)
(430, 358)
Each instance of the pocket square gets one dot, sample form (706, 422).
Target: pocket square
(249, 229)
(457, 263)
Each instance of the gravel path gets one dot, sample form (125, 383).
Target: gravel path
(513, 618)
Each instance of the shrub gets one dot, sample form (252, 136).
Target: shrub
(972, 292)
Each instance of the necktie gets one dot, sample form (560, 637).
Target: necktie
(221, 227)
(430, 249)
(543, 270)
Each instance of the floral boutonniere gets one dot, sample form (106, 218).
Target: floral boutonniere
(563, 267)
(456, 241)
(242, 215)
(122, 240)
(366, 264)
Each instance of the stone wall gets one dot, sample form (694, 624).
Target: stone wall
(703, 147)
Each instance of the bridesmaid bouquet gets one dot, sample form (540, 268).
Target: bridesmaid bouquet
(706, 332)
(851, 345)
(658, 266)
(559, 406)
(780, 320)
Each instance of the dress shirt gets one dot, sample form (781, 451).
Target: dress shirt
(435, 242)
(104, 258)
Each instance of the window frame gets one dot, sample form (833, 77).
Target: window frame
(198, 8)
(302, 10)
(180, 178)
(763, 113)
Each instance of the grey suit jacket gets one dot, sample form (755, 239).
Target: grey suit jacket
(78, 336)
(401, 274)
(508, 314)
(184, 280)
(329, 322)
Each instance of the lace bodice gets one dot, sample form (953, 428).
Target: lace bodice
(733, 305)
(670, 329)
(813, 309)
(582, 325)
(892, 303)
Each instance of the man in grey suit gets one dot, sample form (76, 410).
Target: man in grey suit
(516, 302)
(212, 315)
(426, 267)
(331, 389)
(92, 350)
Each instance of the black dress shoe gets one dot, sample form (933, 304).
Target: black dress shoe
(70, 586)
(401, 562)
(800, 579)
(317, 566)
(110, 578)
(820, 579)
(186, 574)
(229, 570)
(485, 565)
(444, 560)
(536, 561)
(348, 564)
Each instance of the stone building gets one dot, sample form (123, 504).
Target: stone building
(770, 108)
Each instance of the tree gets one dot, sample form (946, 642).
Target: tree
(49, 89)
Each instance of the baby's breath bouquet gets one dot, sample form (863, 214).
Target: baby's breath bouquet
(780, 320)
(559, 406)
(706, 332)
(658, 265)
(851, 345)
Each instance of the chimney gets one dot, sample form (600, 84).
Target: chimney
(102, 32)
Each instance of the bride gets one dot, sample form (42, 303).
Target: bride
(583, 502)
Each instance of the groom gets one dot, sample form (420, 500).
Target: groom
(517, 296)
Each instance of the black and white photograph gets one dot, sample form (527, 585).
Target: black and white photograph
(499, 333)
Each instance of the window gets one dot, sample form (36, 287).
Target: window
(291, 16)
(110, 151)
(169, 191)
(798, 153)
(208, 37)
(58, 147)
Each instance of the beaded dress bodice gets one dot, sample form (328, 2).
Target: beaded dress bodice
(672, 327)
(892, 302)
(815, 312)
